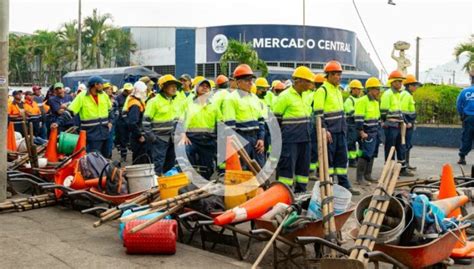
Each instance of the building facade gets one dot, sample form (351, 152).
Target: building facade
(197, 51)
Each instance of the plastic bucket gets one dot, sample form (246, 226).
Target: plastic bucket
(389, 232)
(169, 186)
(239, 187)
(67, 143)
(140, 177)
(341, 202)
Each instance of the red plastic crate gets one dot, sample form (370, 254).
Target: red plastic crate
(158, 238)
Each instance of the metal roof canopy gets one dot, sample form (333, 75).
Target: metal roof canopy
(117, 76)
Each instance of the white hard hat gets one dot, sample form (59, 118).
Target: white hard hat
(139, 90)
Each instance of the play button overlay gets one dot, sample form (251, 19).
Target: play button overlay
(225, 132)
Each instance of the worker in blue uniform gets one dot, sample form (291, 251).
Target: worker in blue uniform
(465, 108)
(94, 110)
(293, 115)
(122, 135)
(242, 112)
(328, 104)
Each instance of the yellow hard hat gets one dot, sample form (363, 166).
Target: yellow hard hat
(253, 89)
(275, 82)
(106, 85)
(168, 78)
(147, 80)
(319, 78)
(303, 72)
(356, 84)
(262, 82)
(128, 86)
(213, 84)
(373, 82)
(197, 79)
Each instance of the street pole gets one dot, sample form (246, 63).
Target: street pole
(304, 30)
(79, 40)
(454, 77)
(417, 64)
(4, 28)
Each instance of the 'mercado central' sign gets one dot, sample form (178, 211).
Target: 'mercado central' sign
(285, 42)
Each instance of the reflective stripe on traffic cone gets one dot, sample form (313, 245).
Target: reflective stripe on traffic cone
(450, 205)
(257, 206)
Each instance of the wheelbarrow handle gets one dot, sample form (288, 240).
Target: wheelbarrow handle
(205, 222)
(193, 213)
(94, 209)
(379, 254)
(304, 240)
(140, 208)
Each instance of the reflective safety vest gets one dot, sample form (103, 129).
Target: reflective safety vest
(408, 106)
(269, 96)
(367, 114)
(201, 118)
(349, 105)
(133, 102)
(218, 98)
(161, 115)
(94, 116)
(33, 110)
(294, 115)
(329, 105)
(308, 97)
(242, 111)
(14, 111)
(264, 107)
(390, 108)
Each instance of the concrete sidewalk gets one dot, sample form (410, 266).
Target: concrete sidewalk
(58, 237)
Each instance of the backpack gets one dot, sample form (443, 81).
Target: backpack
(115, 183)
(92, 165)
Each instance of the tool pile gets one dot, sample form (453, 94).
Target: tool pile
(369, 231)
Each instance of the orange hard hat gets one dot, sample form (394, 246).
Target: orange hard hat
(333, 66)
(279, 86)
(221, 79)
(243, 70)
(396, 75)
(319, 78)
(410, 79)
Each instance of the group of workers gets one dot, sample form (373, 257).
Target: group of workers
(185, 112)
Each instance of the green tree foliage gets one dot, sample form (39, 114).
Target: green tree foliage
(242, 53)
(45, 56)
(468, 48)
(437, 104)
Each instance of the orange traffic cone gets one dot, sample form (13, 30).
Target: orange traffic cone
(61, 175)
(257, 206)
(52, 147)
(232, 161)
(449, 205)
(81, 143)
(447, 189)
(11, 141)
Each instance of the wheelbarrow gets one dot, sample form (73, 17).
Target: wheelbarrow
(114, 199)
(434, 252)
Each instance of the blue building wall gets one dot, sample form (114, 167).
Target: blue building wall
(185, 51)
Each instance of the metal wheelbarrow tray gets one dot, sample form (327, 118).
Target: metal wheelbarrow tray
(423, 255)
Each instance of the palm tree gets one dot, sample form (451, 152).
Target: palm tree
(95, 30)
(468, 48)
(68, 35)
(243, 53)
(49, 47)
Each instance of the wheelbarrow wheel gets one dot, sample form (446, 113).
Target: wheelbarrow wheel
(467, 261)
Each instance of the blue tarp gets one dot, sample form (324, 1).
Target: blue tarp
(117, 76)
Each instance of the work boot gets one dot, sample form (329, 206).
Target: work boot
(354, 191)
(405, 173)
(368, 171)
(361, 170)
(352, 162)
(462, 160)
(408, 162)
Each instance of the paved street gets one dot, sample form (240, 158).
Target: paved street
(61, 238)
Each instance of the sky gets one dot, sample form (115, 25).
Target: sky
(441, 24)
